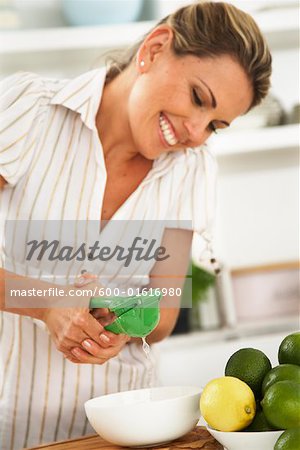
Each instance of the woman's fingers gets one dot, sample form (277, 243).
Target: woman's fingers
(70, 326)
(85, 358)
(99, 313)
(78, 325)
(72, 358)
(91, 327)
(92, 348)
(114, 340)
(94, 354)
(103, 315)
(76, 330)
(109, 340)
(65, 345)
(81, 324)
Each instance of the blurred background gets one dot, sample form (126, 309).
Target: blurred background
(256, 296)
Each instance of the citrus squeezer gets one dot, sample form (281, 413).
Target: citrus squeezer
(136, 316)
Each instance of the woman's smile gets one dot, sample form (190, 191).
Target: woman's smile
(166, 131)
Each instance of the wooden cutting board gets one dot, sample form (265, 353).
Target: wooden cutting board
(199, 438)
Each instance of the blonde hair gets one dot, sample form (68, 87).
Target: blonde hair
(210, 29)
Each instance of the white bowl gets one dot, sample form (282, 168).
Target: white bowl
(146, 416)
(246, 440)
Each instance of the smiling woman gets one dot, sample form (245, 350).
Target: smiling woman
(218, 79)
(122, 143)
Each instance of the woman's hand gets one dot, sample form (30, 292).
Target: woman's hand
(69, 327)
(84, 340)
(92, 353)
(81, 337)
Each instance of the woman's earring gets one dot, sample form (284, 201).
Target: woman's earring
(142, 63)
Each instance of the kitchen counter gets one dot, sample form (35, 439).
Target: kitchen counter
(196, 358)
(198, 438)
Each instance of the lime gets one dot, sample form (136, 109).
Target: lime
(281, 404)
(281, 373)
(227, 404)
(289, 440)
(249, 365)
(289, 350)
(259, 423)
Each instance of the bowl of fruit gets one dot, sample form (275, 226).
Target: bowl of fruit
(254, 406)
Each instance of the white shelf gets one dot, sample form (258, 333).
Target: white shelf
(258, 140)
(280, 26)
(72, 38)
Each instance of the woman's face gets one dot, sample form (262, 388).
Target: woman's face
(179, 102)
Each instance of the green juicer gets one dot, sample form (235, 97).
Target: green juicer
(136, 316)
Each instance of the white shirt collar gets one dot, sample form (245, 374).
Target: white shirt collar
(83, 95)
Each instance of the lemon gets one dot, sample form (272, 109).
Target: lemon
(280, 373)
(289, 350)
(281, 405)
(227, 404)
(289, 440)
(249, 365)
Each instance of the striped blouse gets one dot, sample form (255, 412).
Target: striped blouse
(52, 160)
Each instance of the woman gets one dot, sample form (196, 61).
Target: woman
(123, 144)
